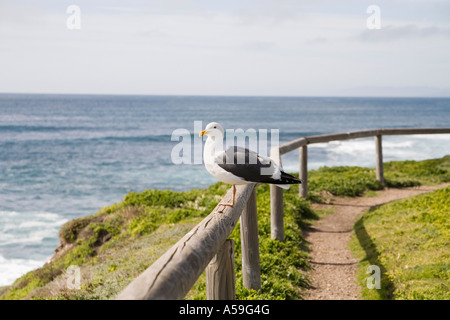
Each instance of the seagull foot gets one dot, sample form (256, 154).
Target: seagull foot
(225, 205)
(232, 202)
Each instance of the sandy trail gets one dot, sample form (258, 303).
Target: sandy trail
(334, 268)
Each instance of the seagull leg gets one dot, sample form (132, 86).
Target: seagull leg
(232, 202)
(234, 195)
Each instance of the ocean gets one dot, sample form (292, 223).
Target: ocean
(67, 156)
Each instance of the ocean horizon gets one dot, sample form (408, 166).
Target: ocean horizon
(63, 156)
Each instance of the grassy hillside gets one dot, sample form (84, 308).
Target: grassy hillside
(410, 241)
(116, 244)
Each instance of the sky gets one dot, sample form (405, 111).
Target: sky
(245, 47)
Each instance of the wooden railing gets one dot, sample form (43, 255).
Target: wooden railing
(176, 271)
(206, 246)
(276, 194)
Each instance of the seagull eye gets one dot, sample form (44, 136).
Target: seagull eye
(215, 127)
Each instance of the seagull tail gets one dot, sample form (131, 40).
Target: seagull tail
(288, 179)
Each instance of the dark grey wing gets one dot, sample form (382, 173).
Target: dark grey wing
(248, 165)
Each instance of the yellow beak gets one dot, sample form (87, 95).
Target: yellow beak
(201, 134)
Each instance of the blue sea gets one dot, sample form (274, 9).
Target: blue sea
(67, 156)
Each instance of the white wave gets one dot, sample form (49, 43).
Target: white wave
(349, 146)
(361, 152)
(434, 137)
(416, 147)
(398, 144)
(28, 227)
(48, 215)
(11, 269)
(19, 230)
(40, 224)
(8, 213)
(5, 227)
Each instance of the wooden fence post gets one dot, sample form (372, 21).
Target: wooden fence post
(303, 174)
(251, 271)
(276, 213)
(276, 203)
(220, 274)
(379, 159)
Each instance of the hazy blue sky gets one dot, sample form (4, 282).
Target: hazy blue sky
(245, 47)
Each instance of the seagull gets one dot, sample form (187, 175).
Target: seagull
(238, 165)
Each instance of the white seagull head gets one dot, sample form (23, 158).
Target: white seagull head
(213, 130)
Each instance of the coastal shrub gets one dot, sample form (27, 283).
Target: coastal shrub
(177, 215)
(70, 230)
(343, 181)
(145, 223)
(80, 253)
(166, 198)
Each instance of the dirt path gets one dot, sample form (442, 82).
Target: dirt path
(334, 268)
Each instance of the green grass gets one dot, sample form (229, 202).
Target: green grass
(410, 241)
(116, 244)
(357, 181)
(411, 173)
(343, 181)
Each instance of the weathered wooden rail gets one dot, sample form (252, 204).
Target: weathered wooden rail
(206, 246)
(176, 271)
(276, 194)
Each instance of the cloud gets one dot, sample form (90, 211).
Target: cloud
(14, 14)
(214, 47)
(259, 45)
(409, 31)
(317, 40)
